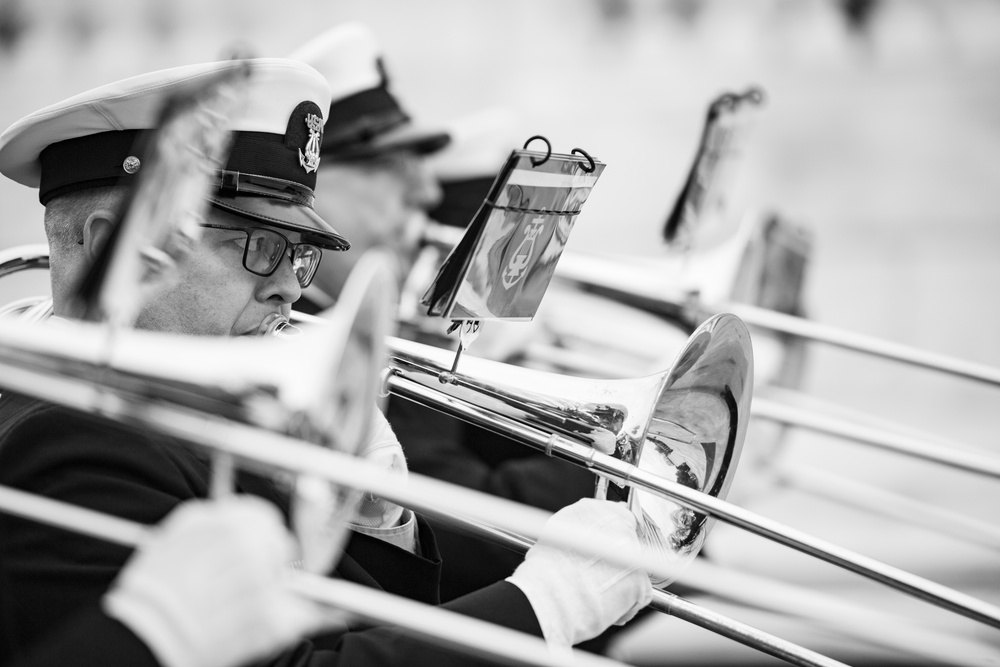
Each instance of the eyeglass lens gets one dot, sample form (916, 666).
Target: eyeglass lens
(265, 250)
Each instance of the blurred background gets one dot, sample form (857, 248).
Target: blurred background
(880, 134)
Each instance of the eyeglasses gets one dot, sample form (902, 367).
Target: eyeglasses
(265, 248)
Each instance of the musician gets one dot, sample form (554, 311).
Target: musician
(169, 599)
(403, 176)
(80, 154)
(373, 177)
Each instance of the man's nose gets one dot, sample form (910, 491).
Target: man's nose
(424, 191)
(282, 285)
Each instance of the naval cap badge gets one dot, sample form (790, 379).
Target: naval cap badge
(310, 159)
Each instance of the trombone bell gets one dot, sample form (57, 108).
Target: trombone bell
(695, 435)
(685, 425)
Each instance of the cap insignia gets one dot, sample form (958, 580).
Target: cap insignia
(310, 159)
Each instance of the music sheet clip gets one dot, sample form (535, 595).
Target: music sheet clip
(468, 331)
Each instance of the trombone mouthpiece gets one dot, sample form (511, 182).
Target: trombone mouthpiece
(277, 325)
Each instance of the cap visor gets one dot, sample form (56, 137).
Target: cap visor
(286, 215)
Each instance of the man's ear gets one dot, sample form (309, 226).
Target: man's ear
(96, 231)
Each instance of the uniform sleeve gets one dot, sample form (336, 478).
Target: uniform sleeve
(88, 639)
(50, 578)
(92, 639)
(48, 573)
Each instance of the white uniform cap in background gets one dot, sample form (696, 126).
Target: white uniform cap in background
(480, 143)
(347, 56)
(365, 119)
(90, 140)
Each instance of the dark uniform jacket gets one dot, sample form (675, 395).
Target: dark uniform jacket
(461, 453)
(51, 580)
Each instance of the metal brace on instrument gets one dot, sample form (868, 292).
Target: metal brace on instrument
(468, 331)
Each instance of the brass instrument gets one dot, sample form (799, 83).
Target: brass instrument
(251, 446)
(754, 271)
(651, 292)
(685, 425)
(645, 284)
(263, 417)
(420, 367)
(606, 362)
(24, 258)
(463, 633)
(762, 465)
(656, 286)
(426, 364)
(260, 451)
(586, 328)
(415, 372)
(422, 373)
(238, 415)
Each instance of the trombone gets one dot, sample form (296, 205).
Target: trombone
(415, 372)
(646, 285)
(771, 403)
(248, 411)
(407, 367)
(421, 373)
(158, 405)
(643, 282)
(641, 285)
(246, 415)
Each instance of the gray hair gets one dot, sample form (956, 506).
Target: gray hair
(65, 216)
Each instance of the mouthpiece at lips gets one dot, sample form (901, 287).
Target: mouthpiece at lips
(277, 325)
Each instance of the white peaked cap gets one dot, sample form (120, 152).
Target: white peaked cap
(89, 140)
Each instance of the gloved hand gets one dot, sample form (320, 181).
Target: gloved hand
(383, 449)
(576, 596)
(321, 511)
(207, 589)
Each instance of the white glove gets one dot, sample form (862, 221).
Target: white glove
(381, 448)
(576, 596)
(208, 588)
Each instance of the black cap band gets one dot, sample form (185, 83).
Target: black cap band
(115, 158)
(359, 118)
(92, 161)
